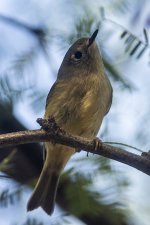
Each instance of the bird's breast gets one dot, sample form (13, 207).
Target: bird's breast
(83, 110)
(80, 105)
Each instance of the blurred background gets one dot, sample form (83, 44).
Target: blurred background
(34, 36)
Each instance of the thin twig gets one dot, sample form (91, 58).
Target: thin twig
(60, 136)
(123, 144)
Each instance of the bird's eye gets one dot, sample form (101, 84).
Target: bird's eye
(77, 55)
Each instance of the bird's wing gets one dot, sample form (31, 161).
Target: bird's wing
(111, 95)
(50, 94)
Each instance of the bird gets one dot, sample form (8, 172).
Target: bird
(78, 100)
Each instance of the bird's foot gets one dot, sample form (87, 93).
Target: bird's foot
(97, 143)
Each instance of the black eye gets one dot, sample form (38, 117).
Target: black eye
(78, 55)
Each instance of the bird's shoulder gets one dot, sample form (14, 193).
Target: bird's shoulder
(57, 88)
(50, 94)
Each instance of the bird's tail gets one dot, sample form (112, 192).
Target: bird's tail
(45, 192)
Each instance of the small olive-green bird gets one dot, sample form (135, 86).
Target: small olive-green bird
(78, 100)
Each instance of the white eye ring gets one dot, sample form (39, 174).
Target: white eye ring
(77, 55)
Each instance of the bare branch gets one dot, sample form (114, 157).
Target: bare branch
(52, 132)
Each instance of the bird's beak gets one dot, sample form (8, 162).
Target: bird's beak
(92, 38)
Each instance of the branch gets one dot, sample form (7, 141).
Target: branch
(52, 132)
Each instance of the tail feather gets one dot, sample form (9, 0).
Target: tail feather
(48, 200)
(45, 190)
(45, 193)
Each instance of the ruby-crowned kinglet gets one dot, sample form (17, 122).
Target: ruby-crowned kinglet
(78, 100)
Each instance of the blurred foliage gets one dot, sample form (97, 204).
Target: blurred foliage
(135, 46)
(32, 222)
(10, 198)
(14, 81)
(82, 196)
